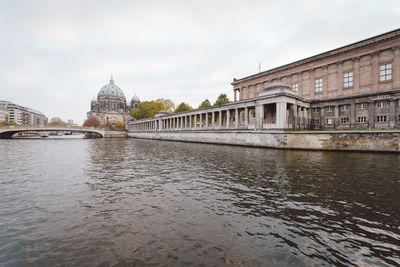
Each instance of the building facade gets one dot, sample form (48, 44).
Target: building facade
(4, 114)
(355, 86)
(23, 115)
(110, 105)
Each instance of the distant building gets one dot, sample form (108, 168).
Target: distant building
(110, 105)
(4, 114)
(23, 115)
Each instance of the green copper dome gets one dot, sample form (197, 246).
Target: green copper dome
(135, 99)
(111, 90)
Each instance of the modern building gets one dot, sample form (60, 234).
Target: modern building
(110, 105)
(4, 114)
(354, 86)
(23, 115)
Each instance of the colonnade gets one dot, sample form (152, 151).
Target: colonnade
(255, 115)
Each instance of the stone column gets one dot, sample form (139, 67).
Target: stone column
(353, 115)
(371, 115)
(246, 117)
(340, 78)
(259, 116)
(220, 119)
(195, 121)
(312, 89)
(295, 116)
(227, 118)
(206, 120)
(281, 117)
(322, 117)
(212, 120)
(392, 113)
(336, 122)
(375, 72)
(236, 118)
(356, 75)
(201, 120)
(396, 67)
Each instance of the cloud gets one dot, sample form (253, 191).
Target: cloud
(56, 55)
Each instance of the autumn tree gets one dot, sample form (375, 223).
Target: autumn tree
(120, 125)
(56, 121)
(93, 122)
(222, 99)
(205, 103)
(147, 109)
(182, 107)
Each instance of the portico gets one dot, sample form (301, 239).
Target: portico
(275, 108)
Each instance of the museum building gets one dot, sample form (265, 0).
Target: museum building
(110, 105)
(354, 86)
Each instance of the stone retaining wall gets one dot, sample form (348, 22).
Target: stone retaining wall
(352, 141)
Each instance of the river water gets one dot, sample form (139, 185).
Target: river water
(130, 202)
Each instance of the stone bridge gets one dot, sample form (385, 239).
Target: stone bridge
(8, 132)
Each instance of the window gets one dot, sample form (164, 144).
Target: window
(348, 79)
(318, 85)
(314, 121)
(315, 110)
(362, 106)
(381, 118)
(344, 107)
(295, 88)
(329, 109)
(329, 121)
(385, 73)
(381, 104)
(344, 120)
(362, 119)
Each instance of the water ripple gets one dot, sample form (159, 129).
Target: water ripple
(127, 202)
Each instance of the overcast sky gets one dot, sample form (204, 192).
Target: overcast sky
(56, 55)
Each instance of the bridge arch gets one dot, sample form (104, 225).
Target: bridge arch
(8, 132)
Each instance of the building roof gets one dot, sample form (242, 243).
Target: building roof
(324, 54)
(135, 99)
(111, 90)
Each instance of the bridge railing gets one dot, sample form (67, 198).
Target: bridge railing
(32, 127)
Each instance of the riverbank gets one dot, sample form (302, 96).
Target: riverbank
(343, 140)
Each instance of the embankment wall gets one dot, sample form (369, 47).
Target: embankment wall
(380, 141)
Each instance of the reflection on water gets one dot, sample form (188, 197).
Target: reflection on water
(140, 202)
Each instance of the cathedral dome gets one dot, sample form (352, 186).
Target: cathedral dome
(135, 99)
(111, 90)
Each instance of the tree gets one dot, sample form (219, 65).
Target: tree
(57, 122)
(120, 125)
(205, 103)
(222, 99)
(10, 123)
(182, 107)
(168, 104)
(93, 122)
(147, 109)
